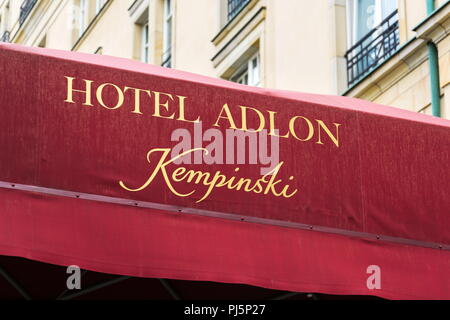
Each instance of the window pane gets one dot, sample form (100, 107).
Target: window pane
(82, 16)
(248, 73)
(365, 17)
(167, 35)
(244, 79)
(99, 5)
(387, 7)
(254, 71)
(168, 7)
(145, 43)
(367, 14)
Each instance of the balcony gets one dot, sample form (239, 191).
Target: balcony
(235, 6)
(25, 9)
(374, 48)
(5, 37)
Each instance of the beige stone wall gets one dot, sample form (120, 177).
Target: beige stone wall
(412, 13)
(444, 63)
(195, 26)
(295, 49)
(63, 23)
(113, 30)
(301, 43)
(33, 31)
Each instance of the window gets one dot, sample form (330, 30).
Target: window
(145, 43)
(99, 5)
(4, 17)
(249, 73)
(372, 37)
(25, 9)
(365, 15)
(4, 33)
(235, 6)
(82, 18)
(167, 34)
(140, 15)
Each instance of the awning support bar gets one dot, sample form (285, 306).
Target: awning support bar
(95, 287)
(15, 284)
(66, 290)
(293, 294)
(170, 289)
(285, 296)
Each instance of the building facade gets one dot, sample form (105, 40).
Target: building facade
(392, 52)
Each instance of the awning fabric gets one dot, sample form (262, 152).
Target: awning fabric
(358, 187)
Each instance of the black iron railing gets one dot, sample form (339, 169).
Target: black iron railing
(235, 6)
(5, 37)
(167, 58)
(25, 9)
(374, 48)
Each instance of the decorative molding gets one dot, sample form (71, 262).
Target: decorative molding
(241, 34)
(436, 27)
(229, 26)
(91, 25)
(137, 9)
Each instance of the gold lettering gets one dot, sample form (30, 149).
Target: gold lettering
(191, 174)
(310, 127)
(71, 90)
(334, 138)
(228, 116)
(178, 172)
(158, 105)
(272, 125)
(262, 121)
(120, 96)
(161, 166)
(137, 98)
(182, 113)
(211, 181)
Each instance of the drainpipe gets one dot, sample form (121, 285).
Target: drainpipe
(431, 6)
(433, 60)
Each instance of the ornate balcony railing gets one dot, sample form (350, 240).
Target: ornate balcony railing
(5, 37)
(167, 58)
(25, 9)
(235, 6)
(374, 48)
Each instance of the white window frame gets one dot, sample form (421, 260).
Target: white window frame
(99, 4)
(352, 18)
(145, 45)
(248, 74)
(82, 18)
(4, 19)
(167, 28)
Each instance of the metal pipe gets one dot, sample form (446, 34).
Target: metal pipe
(433, 59)
(286, 296)
(15, 284)
(66, 290)
(431, 6)
(95, 287)
(170, 289)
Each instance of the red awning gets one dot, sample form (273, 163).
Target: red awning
(357, 202)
